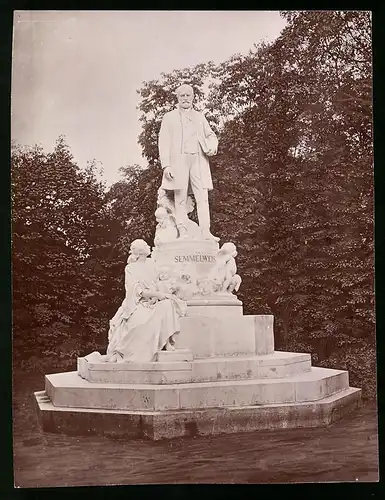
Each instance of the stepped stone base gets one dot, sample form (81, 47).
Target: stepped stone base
(156, 425)
(276, 365)
(223, 377)
(70, 390)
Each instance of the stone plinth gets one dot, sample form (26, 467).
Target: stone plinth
(208, 333)
(195, 257)
(218, 307)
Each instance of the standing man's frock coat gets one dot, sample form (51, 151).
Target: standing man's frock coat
(171, 148)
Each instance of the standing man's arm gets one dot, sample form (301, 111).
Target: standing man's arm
(164, 145)
(211, 138)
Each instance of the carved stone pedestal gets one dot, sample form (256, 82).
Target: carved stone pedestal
(196, 257)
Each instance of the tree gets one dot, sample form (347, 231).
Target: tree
(58, 212)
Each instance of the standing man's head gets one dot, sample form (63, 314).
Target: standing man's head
(185, 95)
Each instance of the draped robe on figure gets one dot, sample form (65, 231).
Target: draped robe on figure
(141, 327)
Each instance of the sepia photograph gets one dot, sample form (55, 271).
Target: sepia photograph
(192, 197)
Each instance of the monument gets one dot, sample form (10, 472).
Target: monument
(182, 359)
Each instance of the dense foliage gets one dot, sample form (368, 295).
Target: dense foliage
(293, 188)
(61, 238)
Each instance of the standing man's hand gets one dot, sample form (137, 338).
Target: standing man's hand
(168, 173)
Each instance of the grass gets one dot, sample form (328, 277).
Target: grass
(345, 451)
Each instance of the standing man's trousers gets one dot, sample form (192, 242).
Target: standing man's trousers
(191, 171)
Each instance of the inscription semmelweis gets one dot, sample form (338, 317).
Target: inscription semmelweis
(195, 258)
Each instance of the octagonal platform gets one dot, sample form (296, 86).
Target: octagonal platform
(224, 377)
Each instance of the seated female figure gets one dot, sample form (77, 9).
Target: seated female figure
(147, 319)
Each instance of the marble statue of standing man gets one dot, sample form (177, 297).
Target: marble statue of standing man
(185, 143)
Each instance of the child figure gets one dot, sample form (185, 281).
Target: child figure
(165, 229)
(186, 288)
(166, 201)
(166, 283)
(224, 274)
